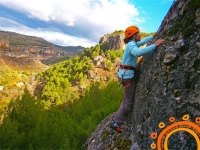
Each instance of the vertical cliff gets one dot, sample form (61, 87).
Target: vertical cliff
(114, 41)
(169, 86)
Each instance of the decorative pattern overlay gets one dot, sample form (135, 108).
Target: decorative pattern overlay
(184, 125)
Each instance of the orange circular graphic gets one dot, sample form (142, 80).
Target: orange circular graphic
(186, 117)
(153, 135)
(185, 125)
(172, 119)
(181, 129)
(197, 120)
(153, 145)
(161, 125)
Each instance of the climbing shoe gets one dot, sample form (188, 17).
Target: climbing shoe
(116, 127)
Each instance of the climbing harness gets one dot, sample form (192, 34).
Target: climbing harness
(125, 68)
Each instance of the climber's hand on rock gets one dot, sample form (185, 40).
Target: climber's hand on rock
(159, 42)
(140, 59)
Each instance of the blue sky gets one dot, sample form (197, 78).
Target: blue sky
(80, 23)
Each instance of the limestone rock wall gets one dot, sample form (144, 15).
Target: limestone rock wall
(112, 42)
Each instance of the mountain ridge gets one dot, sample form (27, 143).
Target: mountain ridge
(14, 45)
(14, 38)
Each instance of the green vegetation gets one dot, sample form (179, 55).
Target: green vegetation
(14, 43)
(144, 34)
(117, 32)
(57, 60)
(61, 77)
(194, 4)
(9, 79)
(92, 52)
(110, 55)
(29, 126)
(175, 28)
(14, 80)
(188, 32)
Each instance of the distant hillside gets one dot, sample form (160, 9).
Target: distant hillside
(14, 45)
(16, 39)
(71, 48)
(20, 39)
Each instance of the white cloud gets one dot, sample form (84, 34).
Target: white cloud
(50, 35)
(96, 17)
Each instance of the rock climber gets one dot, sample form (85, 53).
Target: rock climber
(127, 70)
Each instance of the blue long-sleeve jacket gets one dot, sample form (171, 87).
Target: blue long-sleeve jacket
(131, 54)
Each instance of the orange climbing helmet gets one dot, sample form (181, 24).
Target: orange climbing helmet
(130, 31)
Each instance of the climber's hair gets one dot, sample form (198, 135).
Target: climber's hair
(127, 40)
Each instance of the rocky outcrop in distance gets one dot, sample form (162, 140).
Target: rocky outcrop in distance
(112, 41)
(17, 50)
(167, 92)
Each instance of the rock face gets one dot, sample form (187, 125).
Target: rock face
(169, 85)
(112, 41)
(26, 50)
